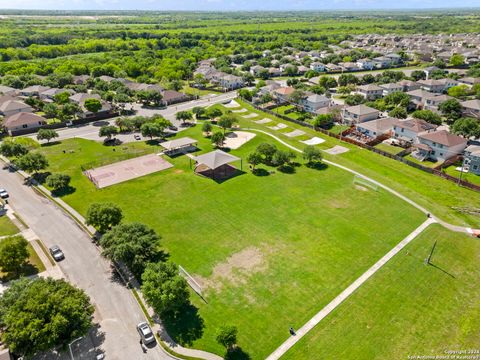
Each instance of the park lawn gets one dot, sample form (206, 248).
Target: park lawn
(406, 308)
(34, 266)
(7, 227)
(439, 196)
(269, 250)
(394, 150)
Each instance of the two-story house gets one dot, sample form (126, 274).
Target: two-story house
(439, 145)
(314, 102)
(370, 91)
(391, 88)
(359, 113)
(408, 130)
(471, 108)
(472, 159)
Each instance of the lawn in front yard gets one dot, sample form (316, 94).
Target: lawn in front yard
(7, 227)
(407, 307)
(34, 266)
(269, 250)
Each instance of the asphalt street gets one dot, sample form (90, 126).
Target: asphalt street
(116, 310)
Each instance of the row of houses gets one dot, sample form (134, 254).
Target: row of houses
(225, 81)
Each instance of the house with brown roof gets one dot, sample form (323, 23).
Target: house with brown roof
(359, 113)
(378, 127)
(7, 90)
(434, 86)
(282, 93)
(23, 122)
(471, 108)
(391, 88)
(408, 130)
(439, 145)
(409, 85)
(432, 103)
(33, 90)
(11, 107)
(172, 96)
(370, 91)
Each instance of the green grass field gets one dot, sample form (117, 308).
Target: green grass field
(269, 250)
(7, 227)
(438, 195)
(406, 308)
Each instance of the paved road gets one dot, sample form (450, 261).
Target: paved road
(116, 310)
(90, 131)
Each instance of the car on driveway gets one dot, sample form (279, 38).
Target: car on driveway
(137, 137)
(56, 253)
(4, 194)
(146, 334)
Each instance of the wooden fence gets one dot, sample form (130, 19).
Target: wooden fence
(437, 172)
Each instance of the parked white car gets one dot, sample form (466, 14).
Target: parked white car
(4, 194)
(146, 333)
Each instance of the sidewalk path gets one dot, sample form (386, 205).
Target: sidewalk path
(282, 349)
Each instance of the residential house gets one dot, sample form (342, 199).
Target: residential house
(274, 72)
(23, 122)
(419, 96)
(378, 127)
(256, 70)
(472, 159)
(429, 70)
(471, 108)
(79, 98)
(172, 97)
(382, 62)
(282, 94)
(11, 107)
(434, 86)
(408, 130)
(230, 82)
(390, 88)
(409, 85)
(50, 93)
(465, 80)
(432, 103)
(333, 67)
(317, 66)
(395, 58)
(7, 90)
(359, 113)
(448, 83)
(34, 90)
(366, 64)
(313, 102)
(439, 145)
(80, 79)
(349, 66)
(370, 91)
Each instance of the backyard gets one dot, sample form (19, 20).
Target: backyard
(269, 251)
(407, 308)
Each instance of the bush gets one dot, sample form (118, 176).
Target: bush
(58, 181)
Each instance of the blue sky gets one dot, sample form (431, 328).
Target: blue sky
(232, 5)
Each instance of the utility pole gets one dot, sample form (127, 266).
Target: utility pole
(427, 260)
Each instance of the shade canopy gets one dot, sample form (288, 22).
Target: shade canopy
(215, 159)
(178, 143)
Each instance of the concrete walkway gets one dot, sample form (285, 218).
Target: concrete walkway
(282, 349)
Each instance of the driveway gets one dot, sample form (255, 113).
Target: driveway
(116, 310)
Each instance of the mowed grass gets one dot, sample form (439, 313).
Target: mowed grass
(7, 227)
(270, 250)
(441, 197)
(407, 308)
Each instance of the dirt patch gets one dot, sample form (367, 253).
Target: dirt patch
(361, 188)
(178, 171)
(235, 270)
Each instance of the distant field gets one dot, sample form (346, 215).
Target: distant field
(407, 308)
(269, 250)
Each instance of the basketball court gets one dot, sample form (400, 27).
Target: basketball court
(126, 170)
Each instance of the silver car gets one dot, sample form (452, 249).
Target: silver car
(56, 253)
(146, 333)
(3, 194)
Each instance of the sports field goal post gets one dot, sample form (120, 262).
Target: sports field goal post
(360, 181)
(190, 280)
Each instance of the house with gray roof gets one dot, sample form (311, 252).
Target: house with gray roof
(11, 107)
(23, 122)
(359, 113)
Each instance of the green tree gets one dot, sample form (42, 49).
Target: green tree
(133, 244)
(428, 116)
(355, 99)
(226, 121)
(282, 158)
(323, 120)
(69, 111)
(46, 134)
(103, 216)
(213, 113)
(451, 109)
(150, 97)
(254, 159)
(267, 151)
(218, 138)
(58, 181)
(457, 60)
(50, 110)
(163, 288)
(12, 149)
(206, 127)
(38, 315)
(62, 98)
(227, 336)
(93, 105)
(151, 129)
(312, 154)
(398, 112)
(467, 127)
(184, 116)
(245, 94)
(397, 98)
(107, 131)
(199, 112)
(418, 75)
(32, 162)
(459, 91)
(13, 254)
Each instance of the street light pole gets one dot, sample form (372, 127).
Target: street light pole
(70, 347)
